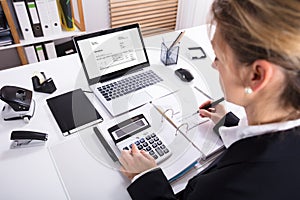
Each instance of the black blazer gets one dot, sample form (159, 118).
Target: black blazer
(261, 167)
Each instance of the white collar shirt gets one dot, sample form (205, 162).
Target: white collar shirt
(230, 135)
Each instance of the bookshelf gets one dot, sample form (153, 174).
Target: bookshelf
(13, 30)
(9, 12)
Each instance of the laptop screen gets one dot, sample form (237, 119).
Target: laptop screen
(111, 53)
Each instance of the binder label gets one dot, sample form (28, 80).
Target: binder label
(33, 12)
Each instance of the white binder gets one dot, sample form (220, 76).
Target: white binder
(42, 6)
(23, 19)
(50, 50)
(54, 16)
(30, 54)
(40, 52)
(48, 12)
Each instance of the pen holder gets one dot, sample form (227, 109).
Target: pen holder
(169, 56)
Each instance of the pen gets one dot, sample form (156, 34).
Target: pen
(213, 104)
(177, 39)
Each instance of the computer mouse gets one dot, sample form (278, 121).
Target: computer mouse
(184, 75)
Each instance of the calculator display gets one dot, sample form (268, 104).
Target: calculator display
(128, 128)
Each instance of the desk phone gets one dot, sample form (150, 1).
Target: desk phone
(137, 130)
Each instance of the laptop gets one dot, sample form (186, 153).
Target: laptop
(117, 58)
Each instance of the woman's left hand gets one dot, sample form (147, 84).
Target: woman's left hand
(135, 161)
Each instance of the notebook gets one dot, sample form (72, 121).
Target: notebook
(110, 56)
(73, 111)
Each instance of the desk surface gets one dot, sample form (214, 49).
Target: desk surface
(29, 173)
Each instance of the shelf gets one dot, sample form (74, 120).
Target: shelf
(19, 44)
(64, 34)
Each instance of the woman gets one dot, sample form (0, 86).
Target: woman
(257, 47)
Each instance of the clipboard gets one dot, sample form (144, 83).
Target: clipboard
(73, 111)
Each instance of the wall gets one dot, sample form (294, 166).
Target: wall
(96, 14)
(192, 13)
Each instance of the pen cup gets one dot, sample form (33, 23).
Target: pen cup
(169, 56)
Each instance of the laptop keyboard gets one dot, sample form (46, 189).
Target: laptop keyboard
(128, 85)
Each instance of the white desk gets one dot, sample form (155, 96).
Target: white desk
(29, 173)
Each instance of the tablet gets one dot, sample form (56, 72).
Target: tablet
(73, 111)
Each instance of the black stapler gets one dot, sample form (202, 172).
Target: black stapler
(24, 138)
(42, 84)
(20, 104)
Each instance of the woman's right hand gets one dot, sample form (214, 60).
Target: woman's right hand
(135, 161)
(215, 114)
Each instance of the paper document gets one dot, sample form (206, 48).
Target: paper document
(180, 108)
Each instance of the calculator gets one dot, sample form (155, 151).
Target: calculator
(137, 130)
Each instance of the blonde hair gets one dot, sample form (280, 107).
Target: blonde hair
(268, 29)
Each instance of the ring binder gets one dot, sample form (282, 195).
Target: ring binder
(49, 17)
(187, 123)
(179, 128)
(23, 18)
(202, 157)
(192, 137)
(42, 8)
(34, 18)
(162, 117)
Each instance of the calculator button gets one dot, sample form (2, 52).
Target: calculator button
(148, 137)
(137, 142)
(130, 146)
(155, 138)
(153, 135)
(142, 140)
(154, 145)
(159, 142)
(140, 147)
(125, 148)
(151, 152)
(151, 141)
(148, 148)
(166, 150)
(145, 144)
(155, 156)
(159, 151)
(162, 146)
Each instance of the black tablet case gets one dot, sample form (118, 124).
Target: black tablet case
(72, 110)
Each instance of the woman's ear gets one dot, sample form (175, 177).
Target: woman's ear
(260, 74)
